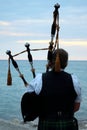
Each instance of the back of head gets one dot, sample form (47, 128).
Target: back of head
(63, 58)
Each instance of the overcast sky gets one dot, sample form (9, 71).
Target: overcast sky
(24, 21)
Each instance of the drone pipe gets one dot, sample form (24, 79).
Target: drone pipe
(30, 59)
(16, 67)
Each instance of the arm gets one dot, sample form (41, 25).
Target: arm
(78, 91)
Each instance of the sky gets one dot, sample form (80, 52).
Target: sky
(24, 21)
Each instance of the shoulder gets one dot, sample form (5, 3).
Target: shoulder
(36, 84)
(75, 80)
(38, 76)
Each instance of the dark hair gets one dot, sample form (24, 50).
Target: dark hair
(63, 57)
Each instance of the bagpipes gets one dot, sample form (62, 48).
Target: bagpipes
(51, 48)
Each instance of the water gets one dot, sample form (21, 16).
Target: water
(10, 96)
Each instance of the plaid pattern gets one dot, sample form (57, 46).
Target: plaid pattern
(58, 125)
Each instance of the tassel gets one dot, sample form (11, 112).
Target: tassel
(9, 77)
(57, 63)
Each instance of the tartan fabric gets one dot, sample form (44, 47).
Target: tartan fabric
(58, 125)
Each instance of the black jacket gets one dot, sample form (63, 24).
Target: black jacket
(57, 94)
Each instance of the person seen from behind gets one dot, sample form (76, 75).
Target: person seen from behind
(60, 96)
